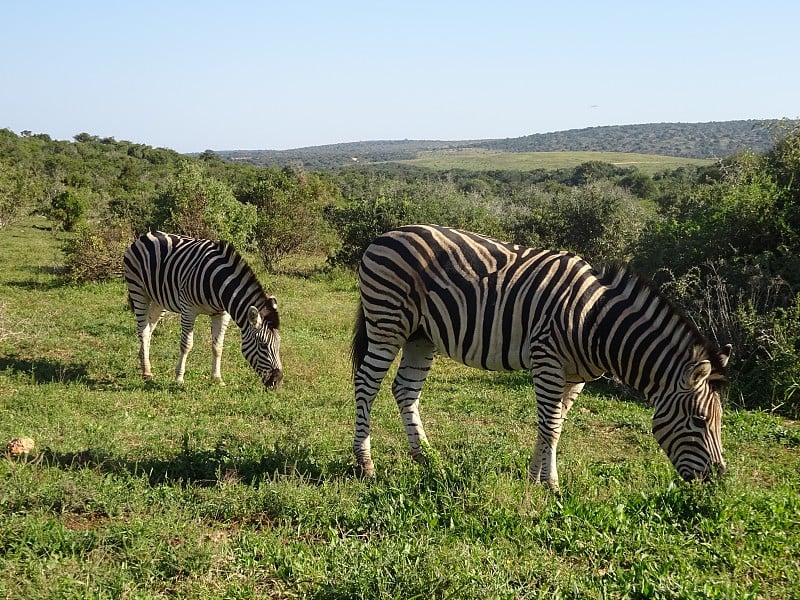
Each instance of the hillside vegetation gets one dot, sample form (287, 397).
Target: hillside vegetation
(713, 140)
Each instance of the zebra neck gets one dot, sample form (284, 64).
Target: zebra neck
(238, 292)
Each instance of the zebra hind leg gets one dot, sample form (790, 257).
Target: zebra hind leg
(147, 318)
(367, 381)
(414, 366)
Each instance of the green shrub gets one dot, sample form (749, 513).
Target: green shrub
(365, 216)
(197, 205)
(289, 208)
(757, 314)
(599, 221)
(69, 209)
(95, 253)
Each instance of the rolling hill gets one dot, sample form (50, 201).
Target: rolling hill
(710, 140)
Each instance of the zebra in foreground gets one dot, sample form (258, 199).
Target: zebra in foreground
(496, 306)
(168, 272)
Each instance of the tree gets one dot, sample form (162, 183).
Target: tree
(69, 208)
(290, 205)
(203, 207)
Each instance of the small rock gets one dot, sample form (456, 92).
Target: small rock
(19, 446)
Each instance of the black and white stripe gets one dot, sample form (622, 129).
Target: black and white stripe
(168, 272)
(496, 306)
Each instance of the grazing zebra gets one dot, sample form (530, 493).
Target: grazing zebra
(496, 306)
(201, 277)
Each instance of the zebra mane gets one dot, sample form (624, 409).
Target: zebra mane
(229, 250)
(621, 275)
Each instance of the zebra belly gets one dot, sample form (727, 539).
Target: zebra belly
(480, 354)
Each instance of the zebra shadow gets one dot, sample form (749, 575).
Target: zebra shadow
(207, 467)
(45, 370)
(42, 278)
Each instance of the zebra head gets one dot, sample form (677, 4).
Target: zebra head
(687, 422)
(261, 343)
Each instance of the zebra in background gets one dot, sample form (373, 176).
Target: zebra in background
(496, 306)
(168, 272)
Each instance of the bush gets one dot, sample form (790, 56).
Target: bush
(289, 214)
(69, 209)
(200, 206)
(599, 221)
(95, 253)
(18, 189)
(756, 313)
(397, 203)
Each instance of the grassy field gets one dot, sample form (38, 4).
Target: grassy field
(485, 160)
(141, 490)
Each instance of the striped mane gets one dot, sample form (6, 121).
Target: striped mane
(620, 275)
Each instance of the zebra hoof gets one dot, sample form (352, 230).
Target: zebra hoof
(421, 458)
(365, 470)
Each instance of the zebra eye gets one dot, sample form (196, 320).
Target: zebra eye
(699, 421)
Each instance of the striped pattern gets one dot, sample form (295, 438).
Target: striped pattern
(496, 306)
(167, 272)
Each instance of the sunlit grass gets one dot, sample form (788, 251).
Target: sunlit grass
(486, 160)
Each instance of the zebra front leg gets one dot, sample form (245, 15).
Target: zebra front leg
(407, 387)
(551, 391)
(219, 325)
(187, 342)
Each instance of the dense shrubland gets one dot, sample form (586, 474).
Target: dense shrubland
(722, 241)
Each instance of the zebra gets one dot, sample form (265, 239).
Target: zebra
(169, 272)
(428, 289)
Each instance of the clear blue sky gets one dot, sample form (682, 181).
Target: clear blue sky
(235, 74)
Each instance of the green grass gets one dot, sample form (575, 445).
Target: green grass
(486, 160)
(155, 491)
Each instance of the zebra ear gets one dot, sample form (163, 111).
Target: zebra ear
(725, 354)
(697, 373)
(254, 317)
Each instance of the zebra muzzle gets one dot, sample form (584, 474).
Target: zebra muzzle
(273, 380)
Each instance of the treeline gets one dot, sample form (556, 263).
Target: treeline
(687, 140)
(723, 241)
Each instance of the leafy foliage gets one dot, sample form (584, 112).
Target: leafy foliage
(95, 254)
(69, 209)
(201, 206)
(375, 204)
(289, 220)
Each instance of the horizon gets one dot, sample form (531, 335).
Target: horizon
(407, 140)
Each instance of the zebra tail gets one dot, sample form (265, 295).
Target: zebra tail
(359, 348)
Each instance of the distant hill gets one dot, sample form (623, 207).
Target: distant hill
(686, 140)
